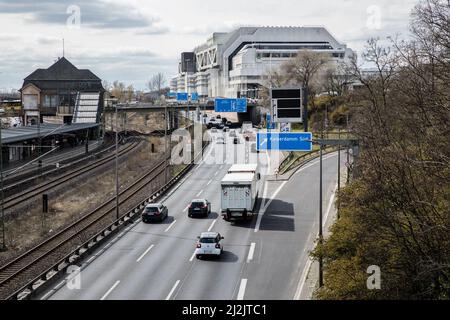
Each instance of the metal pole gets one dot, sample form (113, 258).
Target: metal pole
(165, 143)
(320, 219)
(339, 176)
(1, 185)
(117, 165)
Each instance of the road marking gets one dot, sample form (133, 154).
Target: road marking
(171, 225)
(185, 209)
(146, 251)
(192, 257)
(173, 290)
(47, 295)
(110, 290)
(215, 174)
(330, 203)
(198, 194)
(212, 225)
(261, 212)
(303, 280)
(251, 252)
(209, 182)
(242, 287)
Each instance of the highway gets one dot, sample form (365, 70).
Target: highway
(264, 258)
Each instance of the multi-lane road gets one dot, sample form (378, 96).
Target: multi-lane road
(264, 258)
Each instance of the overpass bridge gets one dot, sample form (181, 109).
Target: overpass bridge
(252, 114)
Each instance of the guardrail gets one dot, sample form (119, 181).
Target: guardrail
(302, 159)
(46, 278)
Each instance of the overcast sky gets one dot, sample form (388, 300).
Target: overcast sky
(130, 40)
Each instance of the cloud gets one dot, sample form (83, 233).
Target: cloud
(93, 14)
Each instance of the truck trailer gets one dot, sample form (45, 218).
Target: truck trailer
(239, 192)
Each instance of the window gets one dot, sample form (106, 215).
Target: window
(50, 101)
(266, 55)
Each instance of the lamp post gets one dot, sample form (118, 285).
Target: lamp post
(3, 248)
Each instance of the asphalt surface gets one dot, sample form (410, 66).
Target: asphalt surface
(263, 259)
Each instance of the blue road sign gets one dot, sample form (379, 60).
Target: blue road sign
(269, 124)
(230, 105)
(194, 96)
(182, 96)
(172, 94)
(286, 141)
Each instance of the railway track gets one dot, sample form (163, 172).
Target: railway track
(36, 260)
(34, 191)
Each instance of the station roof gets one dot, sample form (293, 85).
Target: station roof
(18, 134)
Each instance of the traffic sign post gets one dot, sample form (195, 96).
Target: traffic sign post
(230, 105)
(182, 96)
(194, 96)
(285, 141)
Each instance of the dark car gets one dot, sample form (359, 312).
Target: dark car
(199, 208)
(154, 212)
(236, 140)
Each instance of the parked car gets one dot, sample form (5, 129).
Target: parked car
(199, 208)
(154, 212)
(209, 244)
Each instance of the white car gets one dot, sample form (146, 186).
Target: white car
(208, 244)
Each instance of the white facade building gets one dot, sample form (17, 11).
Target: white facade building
(234, 64)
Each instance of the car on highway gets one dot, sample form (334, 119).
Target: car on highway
(199, 208)
(232, 133)
(221, 140)
(218, 116)
(209, 244)
(214, 130)
(236, 140)
(226, 129)
(154, 212)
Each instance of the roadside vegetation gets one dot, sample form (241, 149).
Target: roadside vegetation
(395, 212)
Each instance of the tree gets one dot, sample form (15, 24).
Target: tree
(157, 83)
(306, 69)
(395, 214)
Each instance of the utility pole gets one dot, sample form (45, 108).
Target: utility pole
(165, 143)
(117, 164)
(3, 248)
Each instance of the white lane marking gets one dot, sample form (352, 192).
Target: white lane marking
(192, 257)
(46, 295)
(261, 212)
(251, 252)
(242, 287)
(185, 209)
(110, 290)
(215, 174)
(212, 225)
(198, 194)
(303, 280)
(171, 225)
(330, 203)
(209, 182)
(146, 251)
(173, 290)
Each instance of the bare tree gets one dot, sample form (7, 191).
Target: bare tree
(157, 83)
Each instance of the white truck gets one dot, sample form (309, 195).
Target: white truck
(239, 191)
